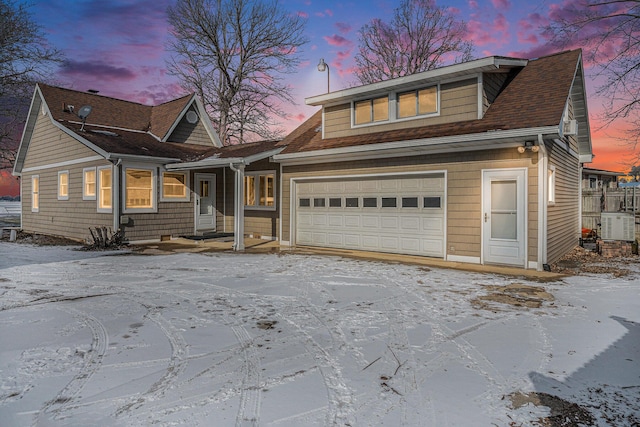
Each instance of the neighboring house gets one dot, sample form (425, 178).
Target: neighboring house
(599, 179)
(476, 162)
(109, 167)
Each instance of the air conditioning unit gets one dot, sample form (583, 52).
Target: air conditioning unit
(570, 127)
(618, 226)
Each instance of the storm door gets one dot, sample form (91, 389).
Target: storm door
(205, 212)
(504, 216)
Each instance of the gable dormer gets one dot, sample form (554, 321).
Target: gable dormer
(445, 95)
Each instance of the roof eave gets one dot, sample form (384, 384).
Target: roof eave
(467, 142)
(456, 70)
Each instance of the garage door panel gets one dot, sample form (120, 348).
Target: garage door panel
(370, 221)
(433, 225)
(319, 220)
(389, 222)
(335, 239)
(410, 224)
(336, 221)
(352, 240)
(352, 221)
(370, 242)
(347, 220)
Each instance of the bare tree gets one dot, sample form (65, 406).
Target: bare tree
(235, 54)
(421, 36)
(25, 58)
(609, 33)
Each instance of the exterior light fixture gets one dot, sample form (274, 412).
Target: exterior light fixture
(528, 146)
(324, 66)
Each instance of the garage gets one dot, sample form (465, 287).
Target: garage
(402, 214)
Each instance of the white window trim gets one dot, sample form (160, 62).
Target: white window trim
(86, 196)
(60, 173)
(258, 207)
(393, 107)
(33, 193)
(551, 182)
(99, 209)
(187, 192)
(154, 189)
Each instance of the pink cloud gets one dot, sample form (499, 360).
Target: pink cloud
(302, 14)
(329, 12)
(501, 24)
(96, 70)
(473, 4)
(343, 27)
(523, 37)
(501, 5)
(299, 117)
(337, 40)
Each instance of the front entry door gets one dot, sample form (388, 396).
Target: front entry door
(205, 189)
(503, 216)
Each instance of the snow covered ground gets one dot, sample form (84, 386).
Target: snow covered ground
(221, 339)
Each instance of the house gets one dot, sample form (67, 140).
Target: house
(90, 161)
(478, 162)
(599, 179)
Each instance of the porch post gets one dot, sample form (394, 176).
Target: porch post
(238, 207)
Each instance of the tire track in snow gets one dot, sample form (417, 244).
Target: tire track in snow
(340, 412)
(177, 362)
(250, 394)
(99, 346)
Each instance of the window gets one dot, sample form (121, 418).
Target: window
(319, 202)
(551, 182)
(104, 185)
(174, 187)
(409, 202)
(370, 202)
(63, 185)
(335, 202)
(35, 193)
(139, 189)
(389, 202)
(418, 102)
(432, 202)
(371, 110)
(351, 202)
(304, 203)
(89, 184)
(259, 190)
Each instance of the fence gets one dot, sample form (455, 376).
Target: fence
(597, 200)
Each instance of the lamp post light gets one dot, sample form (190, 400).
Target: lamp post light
(324, 66)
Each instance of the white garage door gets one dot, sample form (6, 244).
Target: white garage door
(393, 214)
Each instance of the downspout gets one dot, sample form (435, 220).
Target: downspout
(238, 207)
(543, 197)
(224, 200)
(116, 200)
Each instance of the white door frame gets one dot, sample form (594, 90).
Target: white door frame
(210, 224)
(514, 252)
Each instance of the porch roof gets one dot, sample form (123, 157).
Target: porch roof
(230, 154)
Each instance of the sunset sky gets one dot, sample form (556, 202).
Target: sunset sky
(118, 48)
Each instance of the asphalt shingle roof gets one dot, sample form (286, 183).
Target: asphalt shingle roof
(535, 97)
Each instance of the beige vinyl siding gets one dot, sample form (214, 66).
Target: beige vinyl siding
(68, 218)
(258, 223)
(172, 219)
(458, 101)
(190, 133)
(50, 145)
(563, 228)
(464, 179)
(492, 84)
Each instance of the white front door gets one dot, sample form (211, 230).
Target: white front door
(504, 216)
(205, 191)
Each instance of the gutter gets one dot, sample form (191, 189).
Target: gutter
(474, 141)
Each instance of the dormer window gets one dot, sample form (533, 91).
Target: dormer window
(371, 110)
(418, 102)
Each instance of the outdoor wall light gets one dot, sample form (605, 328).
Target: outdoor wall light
(528, 146)
(324, 66)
